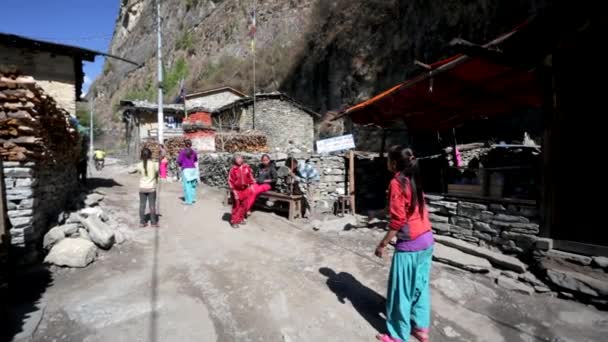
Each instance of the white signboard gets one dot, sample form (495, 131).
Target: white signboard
(345, 142)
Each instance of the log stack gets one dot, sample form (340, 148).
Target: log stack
(172, 145)
(252, 142)
(32, 126)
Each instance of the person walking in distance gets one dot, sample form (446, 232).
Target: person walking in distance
(148, 172)
(408, 304)
(240, 181)
(187, 161)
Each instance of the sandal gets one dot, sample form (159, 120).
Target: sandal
(143, 225)
(421, 335)
(385, 338)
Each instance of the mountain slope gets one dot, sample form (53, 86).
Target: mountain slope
(327, 54)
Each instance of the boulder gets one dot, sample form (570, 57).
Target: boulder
(93, 199)
(94, 211)
(72, 253)
(514, 285)
(456, 258)
(578, 282)
(52, 237)
(83, 234)
(571, 257)
(100, 233)
(69, 229)
(601, 262)
(73, 218)
(498, 259)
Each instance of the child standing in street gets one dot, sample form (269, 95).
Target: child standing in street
(148, 172)
(240, 181)
(408, 303)
(164, 166)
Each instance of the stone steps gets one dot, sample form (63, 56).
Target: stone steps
(497, 259)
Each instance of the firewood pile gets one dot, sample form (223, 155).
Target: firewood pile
(173, 146)
(241, 142)
(32, 126)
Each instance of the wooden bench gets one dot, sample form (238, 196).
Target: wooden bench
(294, 202)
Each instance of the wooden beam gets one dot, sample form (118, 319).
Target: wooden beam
(351, 179)
(423, 65)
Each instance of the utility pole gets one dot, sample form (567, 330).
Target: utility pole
(91, 133)
(254, 47)
(161, 118)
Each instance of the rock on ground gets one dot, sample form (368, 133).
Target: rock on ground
(344, 223)
(93, 199)
(514, 285)
(94, 211)
(601, 262)
(100, 233)
(454, 257)
(52, 237)
(70, 228)
(72, 253)
(84, 234)
(497, 259)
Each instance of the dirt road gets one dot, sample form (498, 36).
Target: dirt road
(196, 279)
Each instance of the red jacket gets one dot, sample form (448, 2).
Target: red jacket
(410, 223)
(240, 177)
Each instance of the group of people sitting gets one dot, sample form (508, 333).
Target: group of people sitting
(245, 187)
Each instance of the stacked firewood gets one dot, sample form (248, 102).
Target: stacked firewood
(172, 147)
(241, 142)
(32, 126)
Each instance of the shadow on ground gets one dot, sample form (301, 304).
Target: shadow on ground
(368, 303)
(100, 183)
(20, 306)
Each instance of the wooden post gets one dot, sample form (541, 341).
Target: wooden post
(351, 179)
(3, 223)
(383, 145)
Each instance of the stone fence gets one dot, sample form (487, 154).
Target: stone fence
(510, 228)
(332, 170)
(40, 149)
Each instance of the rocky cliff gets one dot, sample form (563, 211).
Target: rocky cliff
(325, 53)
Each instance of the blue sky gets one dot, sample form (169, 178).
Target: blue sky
(85, 23)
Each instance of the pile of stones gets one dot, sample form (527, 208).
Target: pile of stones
(75, 241)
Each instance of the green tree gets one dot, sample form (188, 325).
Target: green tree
(84, 118)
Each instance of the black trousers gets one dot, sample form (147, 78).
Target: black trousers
(150, 198)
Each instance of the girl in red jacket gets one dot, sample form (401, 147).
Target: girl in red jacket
(408, 304)
(240, 180)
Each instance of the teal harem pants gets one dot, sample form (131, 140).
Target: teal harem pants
(408, 302)
(189, 183)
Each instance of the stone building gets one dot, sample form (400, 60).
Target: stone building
(141, 123)
(56, 68)
(213, 99)
(287, 124)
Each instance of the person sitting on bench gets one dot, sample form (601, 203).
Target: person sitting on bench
(264, 181)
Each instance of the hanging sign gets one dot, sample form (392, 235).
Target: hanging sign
(345, 142)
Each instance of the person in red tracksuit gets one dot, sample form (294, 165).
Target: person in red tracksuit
(240, 181)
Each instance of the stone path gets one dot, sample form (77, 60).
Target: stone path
(196, 279)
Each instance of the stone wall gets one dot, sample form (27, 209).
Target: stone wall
(510, 228)
(40, 150)
(332, 169)
(285, 125)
